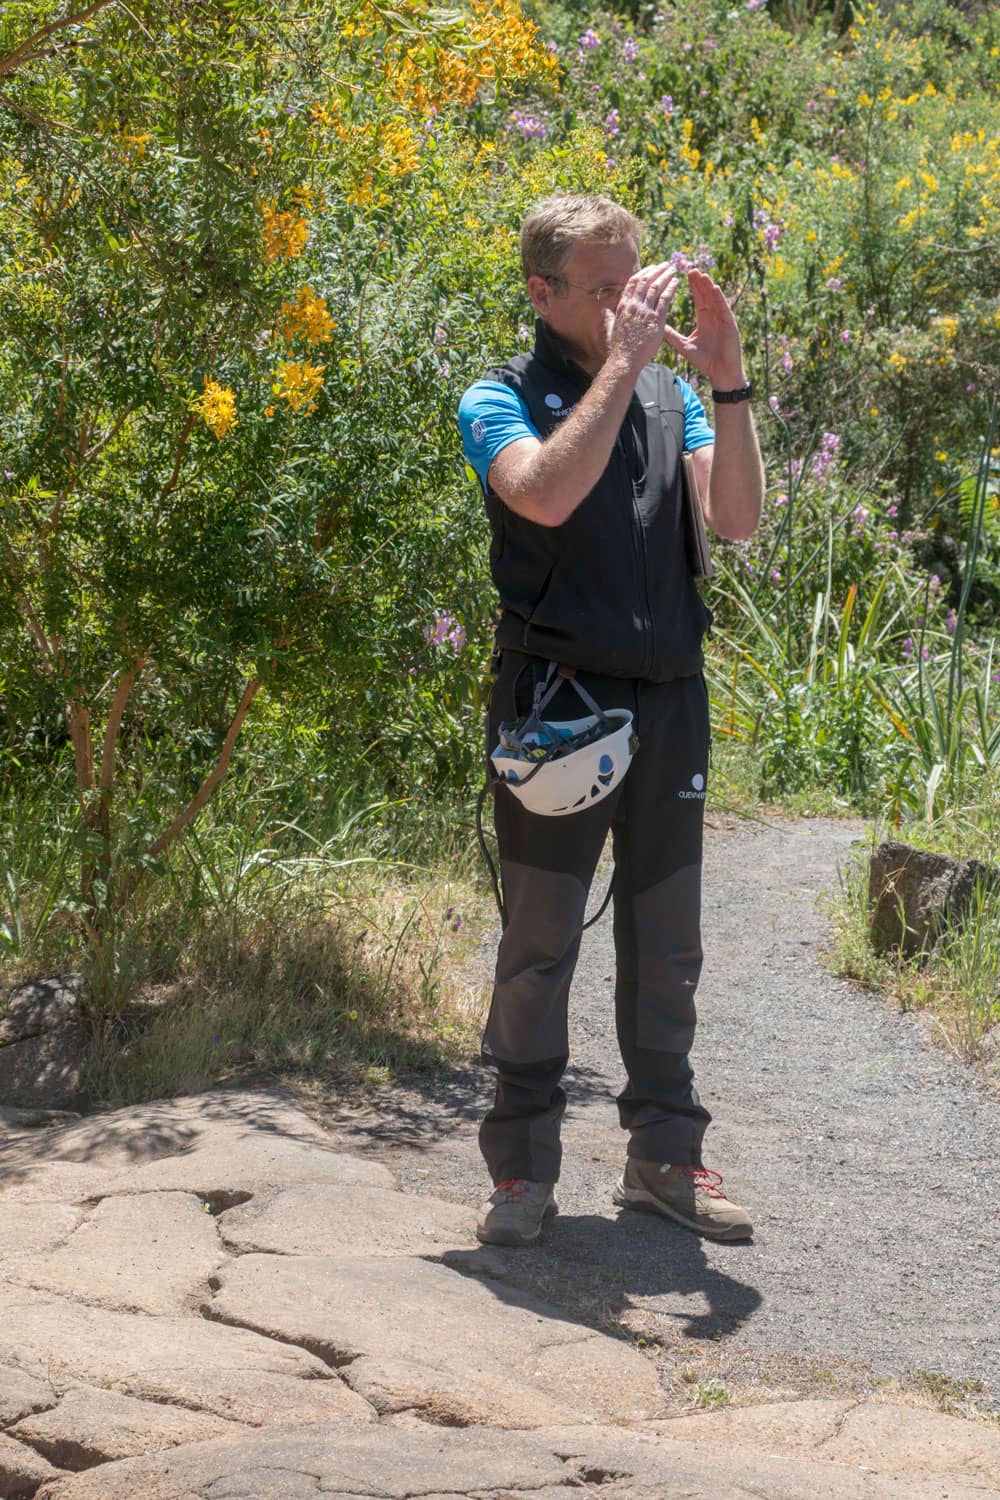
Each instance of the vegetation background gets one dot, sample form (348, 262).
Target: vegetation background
(252, 254)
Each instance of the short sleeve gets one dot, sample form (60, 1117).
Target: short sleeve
(697, 433)
(491, 416)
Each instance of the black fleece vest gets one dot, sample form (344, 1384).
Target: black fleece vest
(610, 590)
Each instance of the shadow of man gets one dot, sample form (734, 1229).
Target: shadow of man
(595, 1270)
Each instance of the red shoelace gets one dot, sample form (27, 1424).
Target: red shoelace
(711, 1182)
(513, 1187)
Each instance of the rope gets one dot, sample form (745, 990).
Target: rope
(488, 785)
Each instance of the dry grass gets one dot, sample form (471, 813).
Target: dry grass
(356, 981)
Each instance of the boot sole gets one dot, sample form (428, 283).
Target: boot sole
(510, 1237)
(640, 1199)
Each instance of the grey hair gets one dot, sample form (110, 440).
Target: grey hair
(556, 224)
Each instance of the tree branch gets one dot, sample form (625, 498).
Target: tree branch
(171, 482)
(203, 793)
(27, 48)
(83, 755)
(118, 702)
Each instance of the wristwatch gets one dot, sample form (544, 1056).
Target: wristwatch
(729, 398)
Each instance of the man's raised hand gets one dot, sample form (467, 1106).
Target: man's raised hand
(638, 323)
(714, 346)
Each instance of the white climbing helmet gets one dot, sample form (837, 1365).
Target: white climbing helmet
(564, 766)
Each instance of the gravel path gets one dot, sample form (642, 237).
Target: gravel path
(866, 1154)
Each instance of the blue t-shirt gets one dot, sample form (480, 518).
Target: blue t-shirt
(492, 415)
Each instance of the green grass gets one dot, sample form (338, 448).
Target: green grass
(956, 984)
(330, 943)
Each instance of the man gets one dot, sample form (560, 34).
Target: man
(578, 447)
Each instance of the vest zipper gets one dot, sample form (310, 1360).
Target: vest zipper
(639, 545)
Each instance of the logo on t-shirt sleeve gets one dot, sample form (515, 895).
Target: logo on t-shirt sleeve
(478, 430)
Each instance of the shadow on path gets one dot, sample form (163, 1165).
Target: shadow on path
(596, 1270)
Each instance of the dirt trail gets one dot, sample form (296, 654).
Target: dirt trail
(866, 1154)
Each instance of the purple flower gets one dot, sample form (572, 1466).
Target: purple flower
(828, 450)
(686, 46)
(951, 622)
(530, 127)
(667, 104)
(630, 51)
(589, 40)
(892, 510)
(754, 4)
(846, 336)
(772, 402)
(612, 123)
(704, 259)
(440, 334)
(772, 234)
(860, 517)
(523, 332)
(709, 44)
(445, 628)
(444, 369)
(679, 260)
(787, 363)
(781, 499)
(834, 284)
(908, 648)
(970, 389)
(935, 583)
(775, 575)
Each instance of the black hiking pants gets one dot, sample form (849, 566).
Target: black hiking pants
(547, 864)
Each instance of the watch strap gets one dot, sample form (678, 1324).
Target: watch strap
(730, 398)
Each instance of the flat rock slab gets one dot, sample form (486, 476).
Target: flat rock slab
(91, 1426)
(140, 1254)
(344, 1462)
(22, 1392)
(182, 1361)
(323, 1219)
(33, 1228)
(414, 1335)
(151, 1253)
(223, 1146)
(893, 1439)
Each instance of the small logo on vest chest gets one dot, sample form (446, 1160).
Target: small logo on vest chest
(556, 407)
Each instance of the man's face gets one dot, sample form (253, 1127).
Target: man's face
(580, 306)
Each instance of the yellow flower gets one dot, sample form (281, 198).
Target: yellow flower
(306, 318)
(361, 194)
(897, 361)
(285, 234)
(217, 407)
(399, 146)
(865, 101)
(298, 384)
(948, 326)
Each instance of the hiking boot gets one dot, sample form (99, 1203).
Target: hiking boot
(691, 1195)
(515, 1212)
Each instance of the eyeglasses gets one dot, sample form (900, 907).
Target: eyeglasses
(604, 295)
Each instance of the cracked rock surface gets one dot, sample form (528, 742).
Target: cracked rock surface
(224, 1298)
(347, 1463)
